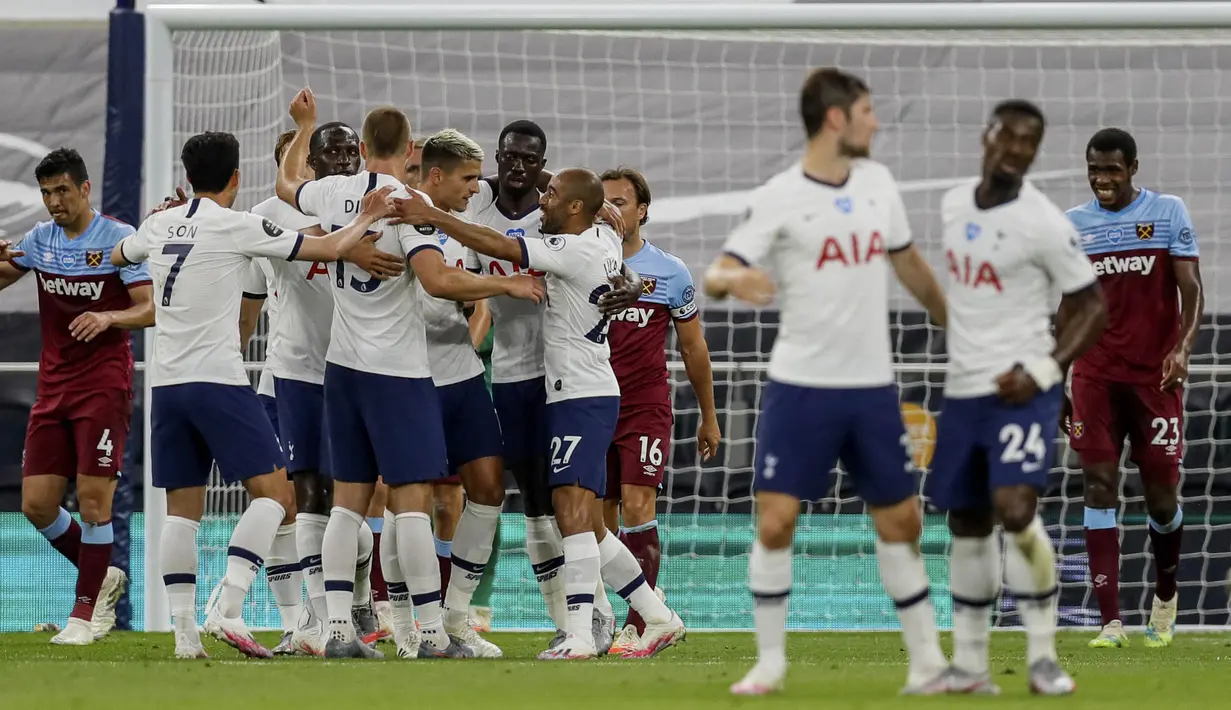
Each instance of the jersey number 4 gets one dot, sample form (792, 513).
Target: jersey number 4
(181, 252)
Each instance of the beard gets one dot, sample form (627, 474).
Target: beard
(849, 150)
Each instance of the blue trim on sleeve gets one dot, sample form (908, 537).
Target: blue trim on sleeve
(255, 296)
(124, 256)
(299, 190)
(420, 248)
(525, 253)
(737, 257)
(298, 243)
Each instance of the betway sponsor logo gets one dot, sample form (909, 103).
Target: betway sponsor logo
(61, 286)
(1124, 265)
(640, 316)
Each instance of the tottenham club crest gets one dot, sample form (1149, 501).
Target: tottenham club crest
(648, 284)
(843, 204)
(972, 231)
(1145, 231)
(94, 258)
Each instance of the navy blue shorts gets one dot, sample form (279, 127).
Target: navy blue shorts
(983, 443)
(271, 410)
(197, 423)
(521, 407)
(472, 431)
(383, 426)
(580, 432)
(304, 434)
(803, 431)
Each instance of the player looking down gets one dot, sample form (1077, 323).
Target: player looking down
(579, 259)
(204, 409)
(824, 233)
(1131, 382)
(1008, 248)
(80, 419)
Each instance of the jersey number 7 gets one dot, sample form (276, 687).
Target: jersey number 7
(181, 253)
(598, 333)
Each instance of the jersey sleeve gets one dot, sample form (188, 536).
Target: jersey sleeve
(482, 199)
(899, 236)
(1182, 242)
(752, 240)
(312, 196)
(557, 254)
(255, 283)
(29, 245)
(415, 238)
(1061, 256)
(680, 299)
(471, 261)
(135, 248)
(259, 237)
(135, 274)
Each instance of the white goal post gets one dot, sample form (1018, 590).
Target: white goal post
(928, 35)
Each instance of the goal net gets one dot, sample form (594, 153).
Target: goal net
(708, 116)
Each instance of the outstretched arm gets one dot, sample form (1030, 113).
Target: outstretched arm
(290, 178)
(443, 281)
(484, 240)
(729, 276)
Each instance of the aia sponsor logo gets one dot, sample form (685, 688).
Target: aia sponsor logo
(60, 286)
(974, 274)
(851, 251)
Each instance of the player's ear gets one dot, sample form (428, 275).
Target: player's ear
(643, 213)
(85, 189)
(410, 149)
(1132, 169)
(233, 183)
(363, 151)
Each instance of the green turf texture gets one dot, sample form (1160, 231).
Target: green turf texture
(848, 670)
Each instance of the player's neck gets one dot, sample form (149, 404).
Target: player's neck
(633, 244)
(217, 197)
(387, 166)
(79, 225)
(992, 193)
(822, 162)
(511, 204)
(1123, 203)
(578, 226)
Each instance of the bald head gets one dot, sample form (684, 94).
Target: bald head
(572, 201)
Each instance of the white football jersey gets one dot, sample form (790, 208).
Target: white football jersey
(450, 352)
(199, 256)
(300, 307)
(1007, 267)
(377, 325)
(259, 283)
(517, 346)
(825, 247)
(578, 267)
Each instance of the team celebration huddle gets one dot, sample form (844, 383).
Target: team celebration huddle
(383, 259)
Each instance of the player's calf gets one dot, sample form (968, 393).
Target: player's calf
(1166, 523)
(1030, 572)
(974, 582)
(1101, 485)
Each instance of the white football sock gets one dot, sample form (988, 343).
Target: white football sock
(1030, 573)
(602, 603)
(399, 595)
(309, 537)
(906, 581)
(546, 553)
(769, 579)
(622, 573)
(284, 577)
(177, 560)
(250, 543)
(363, 566)
(472, 547)
(582, 576)
(417, 558)
(974, 582)
(339, 550)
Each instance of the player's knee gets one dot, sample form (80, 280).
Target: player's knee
(971, 523)
(1015, 516)
(40, 513)
(1162, 504)
(638, 509)
(901, 522)
(775, 529)
(1101, 486)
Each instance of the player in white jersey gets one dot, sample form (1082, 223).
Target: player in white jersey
(381, 406)
(1010, 250)
(825, 232)
(203, 407)
(450, 169)
(579, 259)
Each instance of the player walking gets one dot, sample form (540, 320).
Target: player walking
(1131, 383)
(203, 408)
(1008, 248)
(80, 419)
(637, 459)
(827, 229)
(579, 259)
(381, 406)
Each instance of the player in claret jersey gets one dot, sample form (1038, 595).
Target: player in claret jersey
(1131, 383)
(827, 229)
(204, 409)
(80, 418)
(638, 456)
(1009, 249)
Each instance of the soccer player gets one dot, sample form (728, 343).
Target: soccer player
(825, 232)
(580, 259)
(381, 406)
(80, 418)
(637, 459)
(1131, 383)
(1009, 248)
(203, 408)
(451, 167)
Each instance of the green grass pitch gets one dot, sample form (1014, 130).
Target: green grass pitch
(848, 670)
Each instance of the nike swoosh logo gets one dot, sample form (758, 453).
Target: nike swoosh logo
(559, 469)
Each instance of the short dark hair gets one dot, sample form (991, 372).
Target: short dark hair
(1020, 107)
(523, 128)
(61, 161)
(826, 88)
(386, 132)
(316, 143)
(641, 188)
(284, 140)
(1109, 140)
(210, 159)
